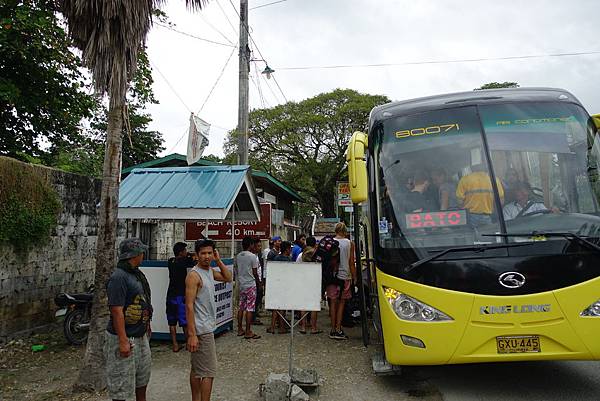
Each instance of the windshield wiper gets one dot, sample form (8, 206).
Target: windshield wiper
(474, 248)
(567, 235)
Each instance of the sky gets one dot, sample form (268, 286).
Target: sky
(315, 33)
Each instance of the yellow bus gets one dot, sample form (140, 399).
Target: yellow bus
(481, 227)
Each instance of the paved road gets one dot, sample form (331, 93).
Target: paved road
(516, 381)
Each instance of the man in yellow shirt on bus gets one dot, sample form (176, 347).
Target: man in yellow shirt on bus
(477, 195)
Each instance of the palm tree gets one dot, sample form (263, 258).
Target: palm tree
(110, 34)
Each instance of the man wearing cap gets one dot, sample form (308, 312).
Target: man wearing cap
(127, 347)
(276, 246)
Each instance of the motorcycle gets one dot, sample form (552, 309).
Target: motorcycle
(77, 310)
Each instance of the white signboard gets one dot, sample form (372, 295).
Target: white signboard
(293, 286)
(224, 299)
(158, 278)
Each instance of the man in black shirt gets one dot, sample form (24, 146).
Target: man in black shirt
(176, 292)
(127, 346)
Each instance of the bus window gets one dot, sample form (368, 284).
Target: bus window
(550, 148)
(434, 187)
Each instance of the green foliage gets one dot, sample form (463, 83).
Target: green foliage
(497, 85)
(42, 89)
(303, 144)
(29, 206)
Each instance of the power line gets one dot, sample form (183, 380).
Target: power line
(208, 96)
(215, 29)
(451, 61)
(257, 86)
(257, 49)
(170, 86)
(194, 36)
(267, 4)
(227, 18)
(217, 81)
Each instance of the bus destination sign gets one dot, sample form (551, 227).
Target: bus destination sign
(443, 218)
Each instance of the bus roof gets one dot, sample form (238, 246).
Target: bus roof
(411, 106)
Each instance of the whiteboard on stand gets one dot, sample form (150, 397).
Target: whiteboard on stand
(293, 286)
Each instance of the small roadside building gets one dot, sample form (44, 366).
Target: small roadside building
(276, 204)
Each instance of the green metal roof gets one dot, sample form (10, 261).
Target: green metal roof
(279, 184)
(169, 160)
(165, 160)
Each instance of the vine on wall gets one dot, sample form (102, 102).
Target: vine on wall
(29, 205)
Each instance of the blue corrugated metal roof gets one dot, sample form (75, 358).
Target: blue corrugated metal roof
(212, 187)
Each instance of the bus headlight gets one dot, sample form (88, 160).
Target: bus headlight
(411, 309)
(592, 310)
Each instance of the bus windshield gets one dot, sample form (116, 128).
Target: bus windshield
(433, 174)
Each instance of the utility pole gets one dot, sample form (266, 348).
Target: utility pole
(243, 85)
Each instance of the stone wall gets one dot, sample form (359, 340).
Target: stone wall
(30, 280)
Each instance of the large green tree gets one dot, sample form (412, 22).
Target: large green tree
(304, 143)
(43, 94)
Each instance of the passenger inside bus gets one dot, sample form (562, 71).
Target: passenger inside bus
(475, 192)
(416, 201)
(511, 178)
(523, 205)
(446, 189)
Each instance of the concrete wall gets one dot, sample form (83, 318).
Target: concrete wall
(29, 281)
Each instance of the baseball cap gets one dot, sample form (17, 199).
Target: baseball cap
(276, 238)
(131, 247)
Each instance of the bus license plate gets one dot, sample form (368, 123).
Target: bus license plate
(518, 344)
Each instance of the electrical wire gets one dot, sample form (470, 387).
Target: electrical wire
(216, 29)
(256, 83)
(227, 18)
(451, 61)
(170, 86)
(194, 36)
(208, 96)
(257, 49)
(267, 4)
(217, 81)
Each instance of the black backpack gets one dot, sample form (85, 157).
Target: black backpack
(328, 253)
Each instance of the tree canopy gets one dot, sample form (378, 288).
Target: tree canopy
(497, 85)
(304, 143)
(48, 114)
(42, 89)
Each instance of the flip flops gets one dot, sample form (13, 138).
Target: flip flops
(316, 332)
(252, 337)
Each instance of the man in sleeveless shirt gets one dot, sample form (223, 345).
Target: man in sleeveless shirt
(200, 310)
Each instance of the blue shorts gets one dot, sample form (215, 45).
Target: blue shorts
(176, 311)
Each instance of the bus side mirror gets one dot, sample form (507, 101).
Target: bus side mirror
(357, 167)
(596, 118)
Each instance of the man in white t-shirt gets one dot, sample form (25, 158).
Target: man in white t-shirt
(346, 274)
(247, 280)
(522, 206)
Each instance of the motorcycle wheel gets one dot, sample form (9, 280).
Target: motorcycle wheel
(73, 333)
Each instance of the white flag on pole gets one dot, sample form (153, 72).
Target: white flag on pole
(197, 138)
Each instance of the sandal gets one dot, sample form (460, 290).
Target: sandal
(241, 333)
(316, 332)
(270, 330)
(252, 337)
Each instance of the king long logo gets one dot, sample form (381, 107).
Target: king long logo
(503, 309)
(512, 280)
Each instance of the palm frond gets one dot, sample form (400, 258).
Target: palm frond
(110, 33)
(195, 4)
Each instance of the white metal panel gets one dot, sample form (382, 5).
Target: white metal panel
(293, 286)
